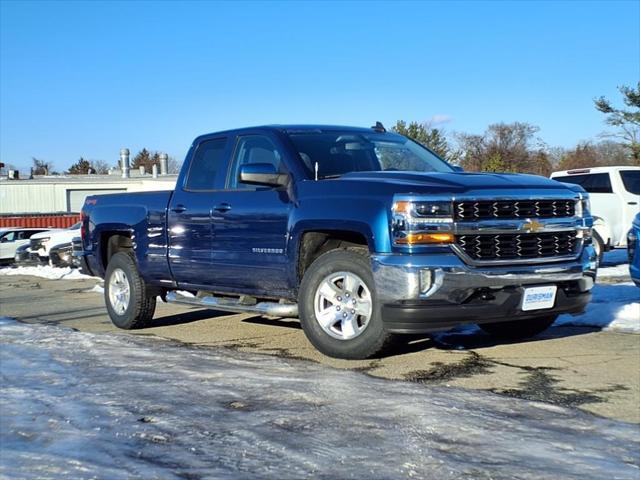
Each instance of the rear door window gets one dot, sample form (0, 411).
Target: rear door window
(207, 165)
(592, 183)
(631, 180)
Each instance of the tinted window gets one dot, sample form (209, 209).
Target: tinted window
(253, 149)
(631, 180)
(207, 165)
(340, 152)
(592, 183)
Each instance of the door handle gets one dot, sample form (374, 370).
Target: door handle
(632, 203)
(179, 208)
(222, 207)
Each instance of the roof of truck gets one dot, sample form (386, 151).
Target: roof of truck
(583, 171)
(300, 128)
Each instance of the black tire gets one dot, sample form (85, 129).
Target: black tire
(373, 337)
(598, 245)
(141, 305)
(519, 329)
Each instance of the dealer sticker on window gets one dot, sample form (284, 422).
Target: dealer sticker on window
(538, 298)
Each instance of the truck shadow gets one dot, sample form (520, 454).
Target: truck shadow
(473, 338)
(186, 317)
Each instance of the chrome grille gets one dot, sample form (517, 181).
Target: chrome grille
(491, 209)
(518, 246)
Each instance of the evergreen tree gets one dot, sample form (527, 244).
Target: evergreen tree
(81, 167)
(432, 138)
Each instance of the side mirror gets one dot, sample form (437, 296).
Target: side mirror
(4, 240)
(262, 174)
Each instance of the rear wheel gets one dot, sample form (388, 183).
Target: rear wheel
(519, 328)
(128, 302)
(338, 309)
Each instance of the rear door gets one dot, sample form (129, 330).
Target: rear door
(250, 223)
(190, 210)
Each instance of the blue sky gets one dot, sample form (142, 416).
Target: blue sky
(87, 78)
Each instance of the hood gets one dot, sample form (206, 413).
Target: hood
(458, 182)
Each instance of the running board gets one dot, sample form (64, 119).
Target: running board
(272, 309)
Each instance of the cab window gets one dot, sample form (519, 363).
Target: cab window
(252, 149)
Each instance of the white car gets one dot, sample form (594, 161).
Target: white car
(42, 243)
(615, 201)
(12, 238)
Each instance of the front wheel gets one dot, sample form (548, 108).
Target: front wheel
(519, 329)
(598, 246)
(128, 302)
(338, 309)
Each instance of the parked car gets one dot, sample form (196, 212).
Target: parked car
(13, 238)
(22, 255)
(42, 243)
(615, 200)
(633, 249)
(61, 255)
(360, 232)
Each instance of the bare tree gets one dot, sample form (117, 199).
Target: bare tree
(100, 166)
(41, 167)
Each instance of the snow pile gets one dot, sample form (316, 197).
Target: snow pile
(46, 271)
(77, 405)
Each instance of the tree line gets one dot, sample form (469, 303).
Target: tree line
(515, 147)
(144, 158)
(502, 147)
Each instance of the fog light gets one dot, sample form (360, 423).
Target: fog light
(426, 279)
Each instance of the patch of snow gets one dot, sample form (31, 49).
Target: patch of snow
(79, 405)
(627, 319)
(611, 308)
(615, 271)
(46, 271)
(96, 289)
(615, 264)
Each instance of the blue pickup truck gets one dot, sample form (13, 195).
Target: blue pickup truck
(361, 233)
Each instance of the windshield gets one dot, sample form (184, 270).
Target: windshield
(337, 153)
(631, 180)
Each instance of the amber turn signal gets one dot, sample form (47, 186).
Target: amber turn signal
(425, 238)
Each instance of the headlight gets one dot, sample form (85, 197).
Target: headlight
(422, 222)
(583, 206)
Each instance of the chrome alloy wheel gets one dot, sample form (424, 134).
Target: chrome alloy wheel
(343, 305)
(119, 291)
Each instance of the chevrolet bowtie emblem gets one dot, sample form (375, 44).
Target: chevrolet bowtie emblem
(532, 226)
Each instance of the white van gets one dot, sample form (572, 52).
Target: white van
(615, 201)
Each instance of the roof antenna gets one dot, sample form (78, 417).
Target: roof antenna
(378, 127)
(315, 167)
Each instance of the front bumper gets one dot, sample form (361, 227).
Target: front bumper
(425, 293)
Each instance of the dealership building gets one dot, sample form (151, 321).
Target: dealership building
(43, 199)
